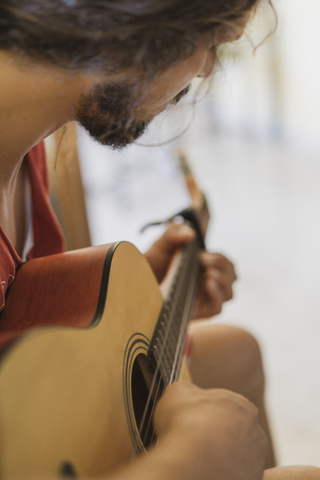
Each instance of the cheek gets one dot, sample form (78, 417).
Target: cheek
(169, 84)
(209, 63)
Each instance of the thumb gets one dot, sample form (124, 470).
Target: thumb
(160, 254)
(175, 236)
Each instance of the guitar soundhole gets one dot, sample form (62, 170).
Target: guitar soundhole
(146, 389)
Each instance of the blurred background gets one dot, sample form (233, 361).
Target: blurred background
(253, 144)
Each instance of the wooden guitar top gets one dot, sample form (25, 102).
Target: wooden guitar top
(65, 393)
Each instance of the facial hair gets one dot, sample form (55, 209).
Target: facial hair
(107, 113)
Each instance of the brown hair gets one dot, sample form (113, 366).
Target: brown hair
(112, 35)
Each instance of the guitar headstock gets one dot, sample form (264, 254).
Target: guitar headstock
(198, 200)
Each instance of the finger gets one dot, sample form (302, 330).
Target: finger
(208, 310)
(218, 273)
(223, 281)
(211, 301)
(214, 291)
(160, 253)
(173, 237)
(178, 234)
(215, 260)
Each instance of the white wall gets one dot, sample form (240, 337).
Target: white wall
(274, 92)
(299, 44)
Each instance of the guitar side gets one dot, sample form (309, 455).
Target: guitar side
(65, 393)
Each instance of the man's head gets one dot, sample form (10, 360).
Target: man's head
(139, 56)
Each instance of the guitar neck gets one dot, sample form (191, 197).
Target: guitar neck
(167, 345)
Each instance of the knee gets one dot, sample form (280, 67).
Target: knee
(227, 357)
(292, 473)
(246, 349)
(304, 472)
(247, 358)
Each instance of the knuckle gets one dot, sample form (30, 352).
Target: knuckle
(217, 309)
(229, 294)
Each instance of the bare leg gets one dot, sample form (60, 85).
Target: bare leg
(292, 473)
(228, 357)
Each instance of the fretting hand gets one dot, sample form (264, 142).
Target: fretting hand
(218, 275)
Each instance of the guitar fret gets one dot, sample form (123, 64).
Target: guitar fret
(167, 346)
(166, 343)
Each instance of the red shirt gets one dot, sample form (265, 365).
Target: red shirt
(47, 234)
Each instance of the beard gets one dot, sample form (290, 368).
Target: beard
(107, 113)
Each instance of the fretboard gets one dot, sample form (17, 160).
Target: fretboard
(168, 342)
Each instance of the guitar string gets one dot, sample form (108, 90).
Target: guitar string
(155, 375)
(186, 318)
(151, 392)
(194, 267)
(187, 311)
(186, 315)
(166, 379)
(183, 289)
(175, 366)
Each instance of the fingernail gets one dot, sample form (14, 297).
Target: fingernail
(186, 230)
(216, 273)
(205, 257)
(213, 286)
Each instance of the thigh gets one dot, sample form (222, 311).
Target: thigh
(229, 357)
(292, 473)
(224, 357)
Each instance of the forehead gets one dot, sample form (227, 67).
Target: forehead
(180, 74)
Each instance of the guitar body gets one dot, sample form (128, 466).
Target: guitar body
(66, 403)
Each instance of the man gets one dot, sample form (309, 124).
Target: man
(113, 66)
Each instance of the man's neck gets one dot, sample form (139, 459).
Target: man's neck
(34, 102)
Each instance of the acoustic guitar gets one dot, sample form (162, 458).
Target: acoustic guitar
(88, 343)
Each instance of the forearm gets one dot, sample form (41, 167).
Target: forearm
(192, 455)
(174, 458)
(210, 434)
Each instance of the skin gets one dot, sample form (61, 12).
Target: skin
(222, 356)
(298, 472)
(218, 277)
(28, 115)
(197, 427)
(183, 455)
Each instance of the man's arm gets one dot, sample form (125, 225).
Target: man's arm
(203, 435)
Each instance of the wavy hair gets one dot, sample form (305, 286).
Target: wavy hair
(113, 35)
